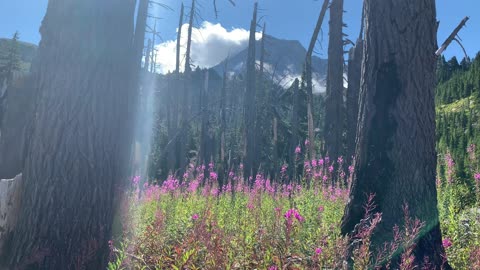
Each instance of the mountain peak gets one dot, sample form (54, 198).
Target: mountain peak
(284, 62)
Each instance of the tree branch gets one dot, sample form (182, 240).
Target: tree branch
(451, 37)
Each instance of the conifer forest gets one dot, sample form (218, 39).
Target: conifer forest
(239, 134)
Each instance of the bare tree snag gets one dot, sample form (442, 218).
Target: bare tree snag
(354, 75)
(250, 106)
(179, 38)
(452, 37)
(294, 139)
(334, 107)
(308, 78)
(183, 155)
(395, 152)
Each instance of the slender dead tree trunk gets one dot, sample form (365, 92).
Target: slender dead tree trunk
(203, 152)
(76, 152)
(147, 55)
(294, 139)
(354, 75)
(261, 119)
(250, 106)
(223, 122)
(140, 28)
(175, 100)
(395, 153)
(308, 77)
(179, 43)
(334, 99)
(186, 93)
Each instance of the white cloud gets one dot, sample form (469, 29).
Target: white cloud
(211, 44)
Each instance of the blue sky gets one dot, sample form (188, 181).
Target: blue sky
(26, 16)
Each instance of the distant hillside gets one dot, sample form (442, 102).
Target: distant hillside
(284, 62)
(458, 116)
(27, 52)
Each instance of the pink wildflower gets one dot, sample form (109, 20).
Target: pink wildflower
(447, 243)
(294, 213)
(136, 180)
(340, 160)
(195, 216)
(318, 251)
(213, 175)
(298, 150)
(477, 177)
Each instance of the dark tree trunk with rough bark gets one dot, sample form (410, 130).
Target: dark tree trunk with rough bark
(78, 145)
(250, 104)
(353, 90)
(334, 108)
(395, 155)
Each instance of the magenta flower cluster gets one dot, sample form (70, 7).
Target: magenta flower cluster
(293, 213)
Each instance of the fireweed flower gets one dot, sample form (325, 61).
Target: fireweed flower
(340, 160)
(136, 180)
(213, 175)
(477, 177)
(327, 160)
(298, 150)
(447, 243)
(293, 213)
(330, 169)
(314, 163)
(307, 142)
(318, 251)
(321, 162)
(194, 216)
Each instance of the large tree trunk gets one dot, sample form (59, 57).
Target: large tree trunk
(250, 106)
(308, 78)
(395, 155)
(334, 100)
(353, 90)
(79, 143)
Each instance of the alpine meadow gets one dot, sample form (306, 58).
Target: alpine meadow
(239, 134)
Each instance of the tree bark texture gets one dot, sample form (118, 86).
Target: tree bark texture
(334, 107)
(395, 151)
(250, 104)
(78, 144)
